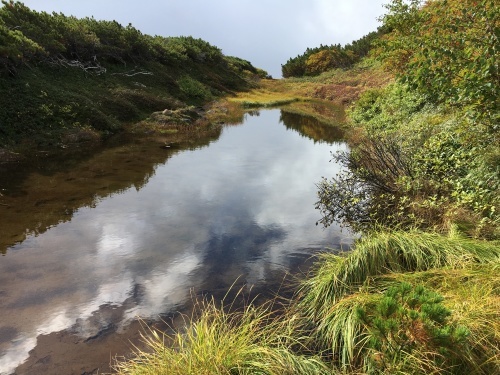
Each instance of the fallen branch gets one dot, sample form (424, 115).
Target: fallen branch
(87, 67)
(133, 73)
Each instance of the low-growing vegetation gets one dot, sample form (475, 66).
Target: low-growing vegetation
(394, 305)
(251, 340)
(63, 75)
(419, 292)
(398, 303)
(340, 86)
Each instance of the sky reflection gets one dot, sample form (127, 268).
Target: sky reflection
(243, 207)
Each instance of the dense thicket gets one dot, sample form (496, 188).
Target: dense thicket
(449, 51)
(429, 156)
(320, 59)
(62, 72)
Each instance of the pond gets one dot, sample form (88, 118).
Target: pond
(91, 242)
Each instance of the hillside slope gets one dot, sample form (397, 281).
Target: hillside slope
(63, 78)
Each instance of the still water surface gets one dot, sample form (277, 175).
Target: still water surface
(133, 231)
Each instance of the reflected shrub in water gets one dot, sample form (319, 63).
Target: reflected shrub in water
(310, 126)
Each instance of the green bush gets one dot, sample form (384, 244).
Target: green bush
(409, 330)
(429, 154)
(99, 74)
(193, 89)
(387, 109)
(416, 164)
(448, 51)
(317, 60)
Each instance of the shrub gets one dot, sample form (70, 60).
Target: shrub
(408, 330)
(415, 165)
(367, 192)
(194, 89)
(447, 50)
(388, 109)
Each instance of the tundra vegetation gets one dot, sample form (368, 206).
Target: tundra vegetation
(419, 291)
(64, 80)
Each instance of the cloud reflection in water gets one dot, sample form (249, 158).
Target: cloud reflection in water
(242, 207)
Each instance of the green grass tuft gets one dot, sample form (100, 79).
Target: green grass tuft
(460, 269)
(248, 341)
(386, 252)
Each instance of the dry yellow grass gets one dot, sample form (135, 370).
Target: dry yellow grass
(338, 86)
(269, 93)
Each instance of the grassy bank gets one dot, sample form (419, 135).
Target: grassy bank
(407, 302)
(419, 292)
(72, 80)
(339, 86)
(219, 340)
(402, 302)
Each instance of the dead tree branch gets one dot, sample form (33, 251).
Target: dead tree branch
(87, 67)
(132, 73)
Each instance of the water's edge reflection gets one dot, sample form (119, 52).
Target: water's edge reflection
(129, 234)
(45, 192)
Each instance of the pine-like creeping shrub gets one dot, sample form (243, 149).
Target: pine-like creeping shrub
(409, 330)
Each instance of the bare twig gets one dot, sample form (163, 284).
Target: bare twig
(133, 73)
(87, 67)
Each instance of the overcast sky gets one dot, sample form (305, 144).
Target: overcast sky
(265, 32)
